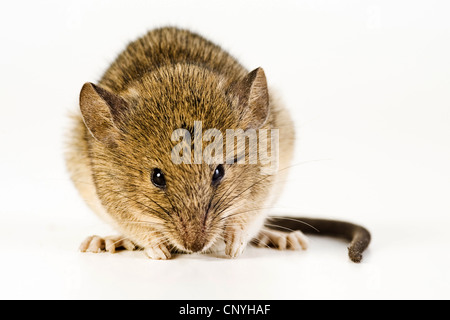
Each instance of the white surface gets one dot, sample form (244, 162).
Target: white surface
(368, 83)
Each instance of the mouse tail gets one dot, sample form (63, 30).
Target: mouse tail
(358, 236)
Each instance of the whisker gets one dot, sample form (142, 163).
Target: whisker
(244, 212)
(284, 228)
(296, 220)
(165, 210)
(256, 183)
(134, 200)
(173, 207)
(143, 223)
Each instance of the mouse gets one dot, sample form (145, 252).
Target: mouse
(134, 153)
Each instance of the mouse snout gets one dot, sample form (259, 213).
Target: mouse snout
(194, 242)
(193, 237)
(195, 246)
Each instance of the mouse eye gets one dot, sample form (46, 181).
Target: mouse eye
(218, 174)
(158, 178)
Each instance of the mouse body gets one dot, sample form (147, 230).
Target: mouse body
(120, 150)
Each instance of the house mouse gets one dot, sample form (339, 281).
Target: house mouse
(120, 151)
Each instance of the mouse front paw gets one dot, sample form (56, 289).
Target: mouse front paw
(109, 244)
(158, 252)
(281, 240)
(235, 242)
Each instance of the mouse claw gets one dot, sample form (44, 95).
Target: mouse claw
(235, 249)
(298, 240)
(91, 244)
(294, 240)
(235, 243)
(96, 244)
(158, 252)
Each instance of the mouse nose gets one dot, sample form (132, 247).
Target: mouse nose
(194, 242)
(193, 235)
(195, 246)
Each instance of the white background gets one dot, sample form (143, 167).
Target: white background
(368, 83)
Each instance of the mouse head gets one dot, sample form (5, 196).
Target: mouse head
(185, 205)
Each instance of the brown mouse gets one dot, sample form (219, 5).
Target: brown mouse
(120, 151)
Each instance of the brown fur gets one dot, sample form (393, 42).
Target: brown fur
(163, 81)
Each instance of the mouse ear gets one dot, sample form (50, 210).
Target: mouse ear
(99, 109)
(253, 96)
